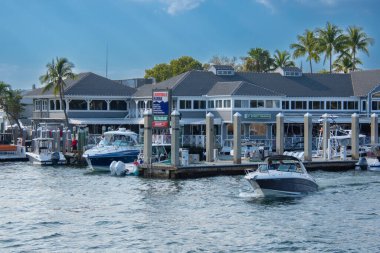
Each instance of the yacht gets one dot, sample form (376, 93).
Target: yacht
(42, 152)
(281, 176)
(118, 145)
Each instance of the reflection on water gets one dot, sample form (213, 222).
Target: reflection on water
(67, 209)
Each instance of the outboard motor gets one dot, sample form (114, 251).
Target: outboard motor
(55, 158)
(120, 169)
(361, 164)
(113, 168)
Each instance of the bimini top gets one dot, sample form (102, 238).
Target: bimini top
(277, 158)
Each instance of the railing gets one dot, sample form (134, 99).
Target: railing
(290, 143)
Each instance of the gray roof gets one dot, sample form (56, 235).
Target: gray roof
(364, 81)
(198, 83)
(89, 84)
(240, 88)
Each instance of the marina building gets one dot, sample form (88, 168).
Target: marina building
(97, 102)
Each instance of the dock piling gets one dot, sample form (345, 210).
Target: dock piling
(326, 135)
(209, 137)
(374, 129)
(175, 138)
(355, 136)
(280, 133)
(308, 133)
(237, 138)
(147, 136)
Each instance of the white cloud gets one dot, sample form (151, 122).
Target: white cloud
(267, 3)
(176, 6)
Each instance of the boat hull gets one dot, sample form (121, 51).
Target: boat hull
(44, 161)
(102, 162)
(284, 186)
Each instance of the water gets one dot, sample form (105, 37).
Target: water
(68, 210)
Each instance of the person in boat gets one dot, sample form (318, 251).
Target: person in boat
(74, 144)
(102, 141)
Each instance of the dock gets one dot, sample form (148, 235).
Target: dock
(227, 168)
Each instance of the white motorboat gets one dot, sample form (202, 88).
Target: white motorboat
(42, 153)
(281, 176)
(373, 164)
(119, 145)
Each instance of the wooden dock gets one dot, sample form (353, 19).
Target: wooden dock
(222, 168)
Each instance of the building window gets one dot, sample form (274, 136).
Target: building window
(272, 104)
(333, 105)
(199, 104)
(118, 105)
(98, 105)
(285, 105)
(185, 104)
(237, 103)
(211, 104)
(37, 105)
(78, 105)
(364, 105)
(52, 105)
(149, 104)
(227, 103)
(218, 103)
(44, 105)
(298, 105)
(316, 105)
(257, 104)
(350, 105)
(375, 105)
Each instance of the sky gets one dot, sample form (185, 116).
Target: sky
(138, 34)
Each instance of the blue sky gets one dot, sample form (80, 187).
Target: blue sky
(142, 33)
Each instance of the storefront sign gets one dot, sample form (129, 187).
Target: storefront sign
(161, 108)
(252, 116)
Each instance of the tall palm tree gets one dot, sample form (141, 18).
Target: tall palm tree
(357, 40)
(345, 64)
(282, 59)
(307, 45)
(258, 60)
(57, 72)
(330, 40)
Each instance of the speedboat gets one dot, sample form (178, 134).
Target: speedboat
(281, 176)
(373, 164)
(42, 153)
(119, 145)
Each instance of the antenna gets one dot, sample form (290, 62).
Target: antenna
(107, 60)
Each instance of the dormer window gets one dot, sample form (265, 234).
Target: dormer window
(222, 70)
(289, 71)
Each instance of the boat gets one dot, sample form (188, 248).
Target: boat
(281, 176)
(117, 145)
(10, 152)
(42, 152)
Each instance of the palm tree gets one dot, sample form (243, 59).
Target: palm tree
(258, 60)
(282, 59)
(307, 45)
(345, 64)
(357, 40)
(57, 72)
(330, 40)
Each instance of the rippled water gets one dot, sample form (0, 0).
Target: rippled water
(69, 210)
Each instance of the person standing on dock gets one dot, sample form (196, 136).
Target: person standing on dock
(74, 144)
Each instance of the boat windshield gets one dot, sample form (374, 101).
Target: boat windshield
(281, 166)
(121, 140)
